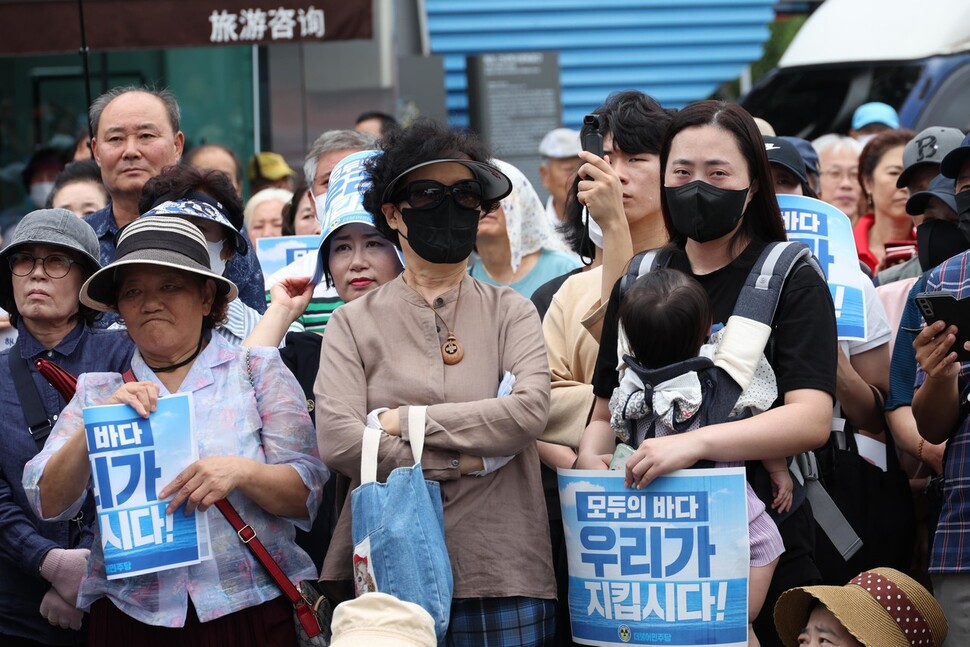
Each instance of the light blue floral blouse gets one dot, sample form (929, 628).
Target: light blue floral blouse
(267, 422)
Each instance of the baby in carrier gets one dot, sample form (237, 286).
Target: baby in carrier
(669, 384)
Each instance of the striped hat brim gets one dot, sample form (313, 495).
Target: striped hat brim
(155, 240)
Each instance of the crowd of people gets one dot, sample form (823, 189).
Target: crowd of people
(443, 282)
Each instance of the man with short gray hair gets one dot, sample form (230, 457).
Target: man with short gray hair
(136, 136)
(328, 149)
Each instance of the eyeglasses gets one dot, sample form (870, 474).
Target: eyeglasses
(56, 266)
(428, 194)
(836, 174)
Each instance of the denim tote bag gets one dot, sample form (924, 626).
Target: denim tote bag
(398, 530)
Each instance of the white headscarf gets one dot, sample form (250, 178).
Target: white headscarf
(525, 218)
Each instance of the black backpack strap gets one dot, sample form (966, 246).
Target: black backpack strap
(39, 422)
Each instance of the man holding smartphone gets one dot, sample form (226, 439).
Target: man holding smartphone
(942, 415)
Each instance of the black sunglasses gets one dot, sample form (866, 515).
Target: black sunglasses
(428, 194)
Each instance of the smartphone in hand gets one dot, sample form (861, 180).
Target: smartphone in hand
(943, 306)
(898, 251)
(592, 134)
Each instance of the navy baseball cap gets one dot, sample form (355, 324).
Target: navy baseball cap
(950, 166)
(784, 154)
(939, 187)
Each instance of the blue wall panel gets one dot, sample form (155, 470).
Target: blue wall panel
(676, 51)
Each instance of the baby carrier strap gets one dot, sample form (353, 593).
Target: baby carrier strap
(748, 330)
(761, 293)
(749, 327)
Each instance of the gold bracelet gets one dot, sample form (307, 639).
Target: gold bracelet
(919, 449)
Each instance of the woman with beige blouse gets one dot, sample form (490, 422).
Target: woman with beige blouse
(474, 354)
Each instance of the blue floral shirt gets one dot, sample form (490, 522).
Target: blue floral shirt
(265, 421)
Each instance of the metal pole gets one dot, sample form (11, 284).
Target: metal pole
(257, 135)
(84, 63)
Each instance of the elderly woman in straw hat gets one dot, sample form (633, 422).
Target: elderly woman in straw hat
(41, 563)
(254, 438)
(878, 608)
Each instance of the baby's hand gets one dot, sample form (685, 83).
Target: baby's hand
(781, 490)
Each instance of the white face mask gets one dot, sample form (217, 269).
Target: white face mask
(595, 231)
(318, 202)
(215, 257)
(39, 192)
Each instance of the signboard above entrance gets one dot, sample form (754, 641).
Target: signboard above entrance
(49, 26)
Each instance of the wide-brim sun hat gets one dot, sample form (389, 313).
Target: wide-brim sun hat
(154, 240)
(881, 607)
(381, 620)
(495, 184)
(56, 227)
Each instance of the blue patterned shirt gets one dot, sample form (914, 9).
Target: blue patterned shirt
(951, 545)
(267, 422)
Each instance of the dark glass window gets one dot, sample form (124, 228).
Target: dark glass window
(809, 102)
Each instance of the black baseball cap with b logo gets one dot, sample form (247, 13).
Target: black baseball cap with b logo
(926, 149)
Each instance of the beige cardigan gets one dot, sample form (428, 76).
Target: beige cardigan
(571, 329)
(383, 350)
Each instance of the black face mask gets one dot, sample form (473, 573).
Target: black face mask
(445, 233)
(704, 212)
(963, 212)
(938, 240)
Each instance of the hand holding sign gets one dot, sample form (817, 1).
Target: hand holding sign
(206, 481)
(660, 456)
(140, 396)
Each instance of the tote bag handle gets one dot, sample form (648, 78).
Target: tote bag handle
(372, 441)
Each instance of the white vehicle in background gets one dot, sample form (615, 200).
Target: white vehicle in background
(912, 54)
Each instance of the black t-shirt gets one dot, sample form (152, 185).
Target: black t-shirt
(803, 346)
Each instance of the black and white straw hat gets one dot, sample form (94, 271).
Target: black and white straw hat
(153, 240)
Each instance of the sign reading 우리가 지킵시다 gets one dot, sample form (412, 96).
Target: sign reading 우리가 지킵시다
(665, 565)
(132, 459)
(828, 233)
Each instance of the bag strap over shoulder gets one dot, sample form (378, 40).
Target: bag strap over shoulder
(39, 421)
(417, 416)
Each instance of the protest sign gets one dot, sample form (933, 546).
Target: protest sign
(665, 565)
(132, 459)
(828, 233)
(276, 252)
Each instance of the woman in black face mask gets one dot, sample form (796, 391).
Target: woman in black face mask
(474, 354)
(720, 211)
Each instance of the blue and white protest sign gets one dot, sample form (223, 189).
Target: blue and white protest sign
(344, 202)
(132, 459)
(276, 252)
(665, 565)
(828, 233)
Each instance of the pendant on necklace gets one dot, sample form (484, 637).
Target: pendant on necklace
(451, 350)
